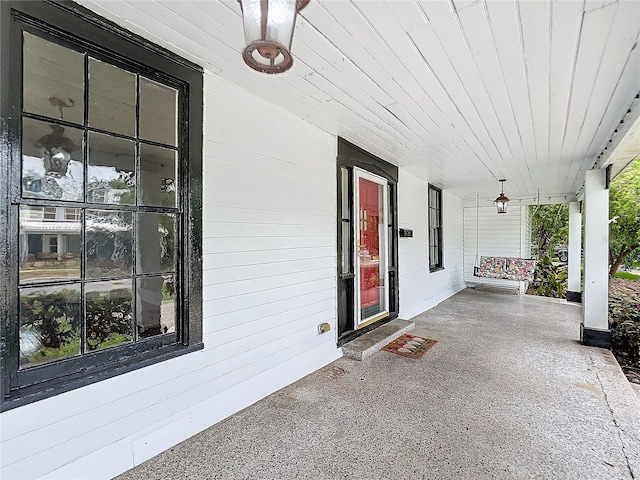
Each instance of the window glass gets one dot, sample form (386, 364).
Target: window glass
(158, 174)
(109, 314)
(51, 161)
(109, 237)
(53, 80)
(112, 98)
(155, 242)
(158, 112)
(346, 247)
(156, 306)
(49, 323)
(48, 252)
(346, 211)
(111, 176)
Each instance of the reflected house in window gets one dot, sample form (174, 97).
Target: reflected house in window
(49, 239)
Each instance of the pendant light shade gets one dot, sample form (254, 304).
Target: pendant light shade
(501, 201)
(268, 33)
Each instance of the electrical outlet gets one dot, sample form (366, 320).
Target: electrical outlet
(323, 328)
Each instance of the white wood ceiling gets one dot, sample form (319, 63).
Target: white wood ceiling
(459, 92)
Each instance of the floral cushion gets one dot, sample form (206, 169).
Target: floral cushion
(507, 268)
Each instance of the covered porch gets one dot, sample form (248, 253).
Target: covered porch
(433, 108)
(507, 392)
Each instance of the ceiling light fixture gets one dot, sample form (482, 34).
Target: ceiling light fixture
(268, 33)
(501, 201)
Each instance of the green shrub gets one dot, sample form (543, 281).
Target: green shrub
(550, 278)
(624, 319)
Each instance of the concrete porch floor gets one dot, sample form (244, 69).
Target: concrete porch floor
(508, 393)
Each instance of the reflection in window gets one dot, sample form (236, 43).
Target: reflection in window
(158, 112)
(50, 213)
(49, 323)
(111, 172)
(112, 98)
(156, 306)
(109, 242)
(53, 80)
(51, 161)
(156, 242)
(48, 251)
(109, 314)
(158, 167)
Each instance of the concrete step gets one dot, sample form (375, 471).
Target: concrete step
(369, 343)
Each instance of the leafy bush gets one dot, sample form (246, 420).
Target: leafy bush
(550, 278)
(624, 319)
(108, 318)
(53, 319)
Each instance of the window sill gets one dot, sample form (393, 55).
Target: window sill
(435, 269)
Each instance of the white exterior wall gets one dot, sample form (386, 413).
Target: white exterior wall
(497, 235)
(421, 290)
(269, 243)
(269, 281)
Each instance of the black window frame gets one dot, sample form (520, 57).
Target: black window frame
(71, 25)
(435, 231)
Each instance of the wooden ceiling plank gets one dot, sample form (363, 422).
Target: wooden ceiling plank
(455, 37)
(378, 14)
(565, 31)
(596, 25)
(440, 75)
(618, 58)
(505, 29)
(480, 44)
(456, 63)
(535, 22)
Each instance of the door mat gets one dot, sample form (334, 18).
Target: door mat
(410, 346)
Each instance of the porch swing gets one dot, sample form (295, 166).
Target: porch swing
(504, 268)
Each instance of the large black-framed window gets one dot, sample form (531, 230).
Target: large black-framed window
(102, 201)
(436, 261)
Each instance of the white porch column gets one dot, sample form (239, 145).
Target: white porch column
(574, 287)
(595, 326)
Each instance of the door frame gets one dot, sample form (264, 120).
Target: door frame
(350, 157)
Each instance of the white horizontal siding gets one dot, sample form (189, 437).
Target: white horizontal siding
(492, 235)
(269, 280)
(421, 290)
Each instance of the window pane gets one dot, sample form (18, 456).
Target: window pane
(155, 246)
(112, 98)
(109, 239)
(155, 306)
(346, 247)
(49, 244)
(51, 161)
(158, 174)
(109, 314)
(49, 323)
(53, 80)
(158, 112)
(112, 164)
(346, 213)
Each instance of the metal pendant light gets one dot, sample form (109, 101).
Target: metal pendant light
(501, 201)
(268, 33)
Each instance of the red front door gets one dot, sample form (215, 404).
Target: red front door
(371, 254)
